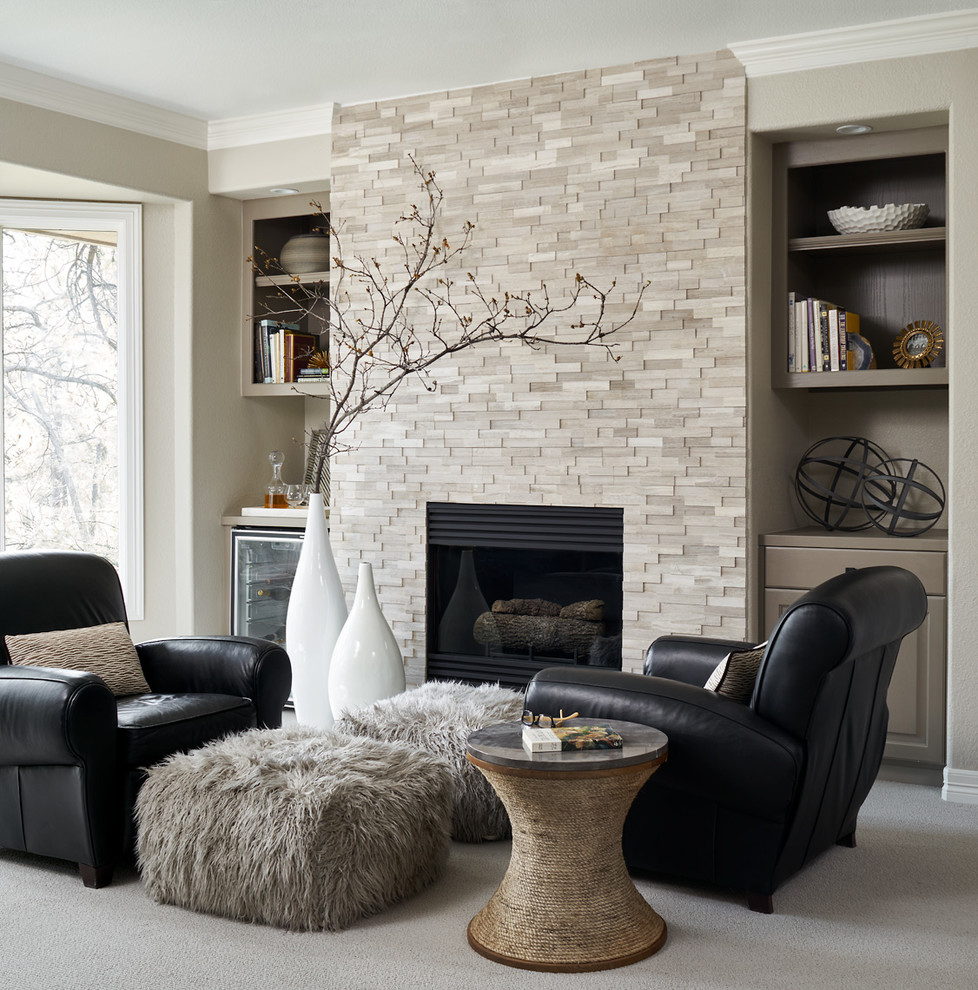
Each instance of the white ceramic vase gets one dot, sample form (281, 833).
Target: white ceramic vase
(316, 615)
(367, 663)
(305, 253)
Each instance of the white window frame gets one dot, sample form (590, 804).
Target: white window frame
(126, 220)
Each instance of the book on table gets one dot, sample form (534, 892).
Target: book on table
(570, 737)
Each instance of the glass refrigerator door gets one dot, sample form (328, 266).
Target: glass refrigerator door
(263, 565)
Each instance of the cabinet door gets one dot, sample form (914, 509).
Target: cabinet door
(262, 568)
(916, 694)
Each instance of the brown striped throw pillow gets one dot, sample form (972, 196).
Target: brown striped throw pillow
(736, 672)
(104, 650)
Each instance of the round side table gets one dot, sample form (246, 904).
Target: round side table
(567, 903)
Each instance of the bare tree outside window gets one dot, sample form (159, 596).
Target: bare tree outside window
(60, 388)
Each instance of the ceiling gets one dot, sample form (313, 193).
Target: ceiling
(220, 59)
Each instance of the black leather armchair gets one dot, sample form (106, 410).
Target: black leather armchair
(71, 754)
(750, 793)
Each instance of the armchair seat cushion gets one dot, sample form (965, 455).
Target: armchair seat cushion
(716, 744)
(154, 726)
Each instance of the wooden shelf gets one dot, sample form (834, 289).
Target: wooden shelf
(306, 278)
(878, 378)
(880, 240)
(295, 389)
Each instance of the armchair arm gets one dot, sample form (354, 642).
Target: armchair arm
(688, 658)
(54, 717)
(719, 749)
(237, 665)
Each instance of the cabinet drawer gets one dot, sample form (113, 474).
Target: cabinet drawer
(805, 567)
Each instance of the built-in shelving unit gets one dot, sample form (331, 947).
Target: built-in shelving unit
(890, 279)
(266, 226)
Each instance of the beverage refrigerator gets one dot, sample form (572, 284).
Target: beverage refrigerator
(263, 562)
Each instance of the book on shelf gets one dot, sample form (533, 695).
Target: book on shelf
(848, 324)
(799, 333)
(792, 335)
(837, 346)
(570, 737)
(268, 341)
(818, 334)
(299, 348)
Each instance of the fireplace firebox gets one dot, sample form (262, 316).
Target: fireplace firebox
(514, 588)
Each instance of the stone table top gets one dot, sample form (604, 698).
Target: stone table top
(502, 745)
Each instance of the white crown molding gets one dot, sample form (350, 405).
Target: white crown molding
(960, 786)
(38, 90)
(236, 132)
(902, 38)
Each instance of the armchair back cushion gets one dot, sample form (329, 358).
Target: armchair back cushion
(43, 593)
(853, 615)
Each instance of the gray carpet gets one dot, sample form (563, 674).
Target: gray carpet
(898, 912)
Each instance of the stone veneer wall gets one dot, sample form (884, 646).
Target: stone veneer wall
(628, 173)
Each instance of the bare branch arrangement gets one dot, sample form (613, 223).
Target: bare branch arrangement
(385, 327)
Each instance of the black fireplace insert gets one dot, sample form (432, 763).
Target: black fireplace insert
(515, 588)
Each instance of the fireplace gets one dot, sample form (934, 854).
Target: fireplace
(514, 588)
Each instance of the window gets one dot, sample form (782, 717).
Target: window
(71, 414)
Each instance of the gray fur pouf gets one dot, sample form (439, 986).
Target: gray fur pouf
(294, 827)
(438, 718)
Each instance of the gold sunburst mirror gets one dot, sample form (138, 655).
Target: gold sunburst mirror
(918, 344)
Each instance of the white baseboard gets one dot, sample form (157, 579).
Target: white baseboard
(960, 786)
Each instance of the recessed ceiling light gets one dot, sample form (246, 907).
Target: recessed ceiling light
(283, 191)
(853, 129)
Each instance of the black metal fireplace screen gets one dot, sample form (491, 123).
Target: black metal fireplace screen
(515, 588)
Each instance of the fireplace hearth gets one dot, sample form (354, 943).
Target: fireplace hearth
(514, 588)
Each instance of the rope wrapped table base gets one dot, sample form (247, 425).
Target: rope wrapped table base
(566, 903)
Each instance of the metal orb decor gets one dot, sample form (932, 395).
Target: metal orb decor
(851, 483)
(831, 477)
(915, 501)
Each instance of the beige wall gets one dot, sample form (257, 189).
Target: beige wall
(203, 444)
(903, 92)
(622, 173)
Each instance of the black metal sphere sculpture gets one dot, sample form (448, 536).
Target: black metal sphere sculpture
(904, 501)
(831, 480)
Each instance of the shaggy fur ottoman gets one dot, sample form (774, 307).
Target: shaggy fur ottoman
(293, 827)
(438, 718)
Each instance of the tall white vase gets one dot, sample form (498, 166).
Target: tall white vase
(367, 663)
(316, 614)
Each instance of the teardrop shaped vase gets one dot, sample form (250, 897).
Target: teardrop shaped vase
(316, 615)
(366, 664)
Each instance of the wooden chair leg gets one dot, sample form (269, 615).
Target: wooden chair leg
(762, 903)
(95, 876)
(849, 841)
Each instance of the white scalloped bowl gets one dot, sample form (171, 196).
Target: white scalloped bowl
(870, 219)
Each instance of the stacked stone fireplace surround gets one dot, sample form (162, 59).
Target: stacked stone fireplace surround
(629, 174)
